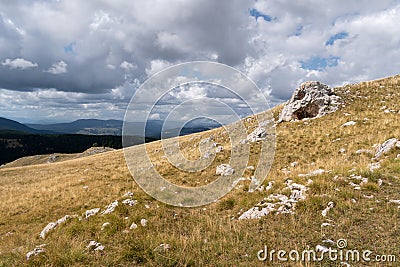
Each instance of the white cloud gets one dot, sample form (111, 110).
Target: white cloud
(19, 63)
(156, 66)
(104, 42)
(127, 66)
(58, 68)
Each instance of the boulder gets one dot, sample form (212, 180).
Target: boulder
(310, 100)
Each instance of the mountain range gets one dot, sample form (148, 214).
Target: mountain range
(110, 127)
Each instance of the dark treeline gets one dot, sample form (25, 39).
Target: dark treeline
(14, 145)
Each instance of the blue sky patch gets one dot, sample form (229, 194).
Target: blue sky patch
(333, 38)
(318, 63)
(69, 48)
(255, 13)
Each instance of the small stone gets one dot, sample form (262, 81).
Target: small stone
(327, 209)
(143, 222)
(374, 166)
(224, 170)
(91, 212)
(106, 224)
(110, 208)
(294, 164)
(257, 135)
(36, 251)
(349, 123)
(162, 248)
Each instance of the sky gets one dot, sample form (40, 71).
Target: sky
(62, 60)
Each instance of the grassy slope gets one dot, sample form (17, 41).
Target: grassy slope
(33, 196)
(44, 159)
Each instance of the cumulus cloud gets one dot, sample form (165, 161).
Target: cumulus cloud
(58, 68)
(106, 49)
(19, 63)
(127, 66)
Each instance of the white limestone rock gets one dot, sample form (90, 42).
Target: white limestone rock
(310, 100)
(224, 170)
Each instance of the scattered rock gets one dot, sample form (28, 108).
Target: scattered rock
(36, 251)
(349, 123)
(143, 222)
(310, 100)
(53, 225)
(96, 150)
(224, 170)
(294, 164)
(95, 246)
(91, 212)
(52, 158)
(128, 195)
(162, 248)
(278, 203)
(257, 212)
(357, 178)
(106, 224)
(386, 147)
(257, 135)
(133, 226)
(374, 166)
(364, 151)
(322, 249)
(328, 208)
(129, 202)
(110, 208)
(313, 173)
(9, 234)
(269, 186)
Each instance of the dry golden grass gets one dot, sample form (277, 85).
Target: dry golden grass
(33, 196)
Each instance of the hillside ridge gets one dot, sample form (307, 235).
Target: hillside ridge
(326, 184)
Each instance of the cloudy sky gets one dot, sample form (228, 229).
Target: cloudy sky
(69, 59)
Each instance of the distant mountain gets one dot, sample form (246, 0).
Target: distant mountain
(10, 125)
(110, 127)
(83, 126)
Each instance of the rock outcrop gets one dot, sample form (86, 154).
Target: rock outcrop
(386, 147)
(312, 99)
